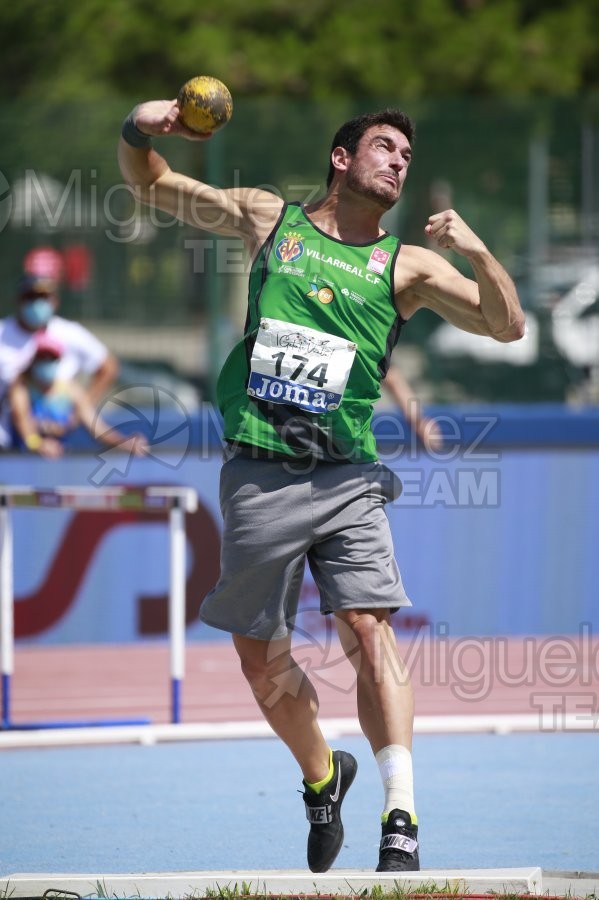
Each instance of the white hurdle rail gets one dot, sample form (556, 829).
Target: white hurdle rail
(174, 499)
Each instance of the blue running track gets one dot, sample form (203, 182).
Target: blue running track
(483, 801)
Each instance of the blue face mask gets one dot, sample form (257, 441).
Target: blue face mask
(44, 370)
(36, 313)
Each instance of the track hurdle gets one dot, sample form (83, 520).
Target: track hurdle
(175, 500)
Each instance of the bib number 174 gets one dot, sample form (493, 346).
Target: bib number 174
(317, 374)
(299, 366)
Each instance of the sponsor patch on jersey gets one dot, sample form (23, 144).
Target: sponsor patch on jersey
(378, 260)
(324, 294)
(353, 295)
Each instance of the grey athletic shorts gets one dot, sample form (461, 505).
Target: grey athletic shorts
(274, 519)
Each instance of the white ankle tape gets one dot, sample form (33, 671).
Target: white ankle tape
(395, 766)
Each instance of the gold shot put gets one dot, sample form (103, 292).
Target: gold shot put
(205, 104)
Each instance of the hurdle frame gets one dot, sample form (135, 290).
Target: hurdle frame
(174, 499)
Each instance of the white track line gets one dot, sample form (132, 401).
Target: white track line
(332, 729)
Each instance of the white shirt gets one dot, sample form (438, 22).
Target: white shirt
(83, 354)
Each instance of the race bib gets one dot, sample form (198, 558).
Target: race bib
(296, 365)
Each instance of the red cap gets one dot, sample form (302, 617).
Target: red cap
(45, 343)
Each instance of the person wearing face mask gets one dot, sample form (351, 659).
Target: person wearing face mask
(44, 407)
(84, 354)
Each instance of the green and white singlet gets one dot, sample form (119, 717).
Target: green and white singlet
(320, 329)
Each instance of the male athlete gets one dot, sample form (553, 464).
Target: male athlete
(329, 290)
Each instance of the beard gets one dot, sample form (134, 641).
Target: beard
(361, 181)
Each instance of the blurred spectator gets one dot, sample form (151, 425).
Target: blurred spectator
(77, 261)
(44, 407)
(84, 354)
(44, 261)
(428, 430)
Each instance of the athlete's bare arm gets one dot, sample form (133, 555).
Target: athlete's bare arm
(488, 305)
(249, 213)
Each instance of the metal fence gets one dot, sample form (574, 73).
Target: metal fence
(524, 174)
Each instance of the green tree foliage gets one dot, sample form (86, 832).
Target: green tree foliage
(93, 49)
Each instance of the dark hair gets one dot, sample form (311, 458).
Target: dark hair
(349, 135)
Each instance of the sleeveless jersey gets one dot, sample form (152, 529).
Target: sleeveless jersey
(320, 328)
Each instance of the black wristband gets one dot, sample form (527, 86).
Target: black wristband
(132, 135)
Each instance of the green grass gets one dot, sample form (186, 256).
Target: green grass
(425, 891)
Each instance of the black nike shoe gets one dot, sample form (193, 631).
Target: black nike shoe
(323, 812)
(399, 844)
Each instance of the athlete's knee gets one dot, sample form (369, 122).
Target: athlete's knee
(368, 639)
(264, 664)
(364, 626)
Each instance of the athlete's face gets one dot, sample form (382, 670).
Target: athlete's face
(379, 166)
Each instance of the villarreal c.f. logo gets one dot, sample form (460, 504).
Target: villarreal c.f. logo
(290, 248)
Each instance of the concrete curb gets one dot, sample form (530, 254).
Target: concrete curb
(341, 882)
